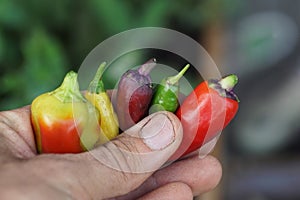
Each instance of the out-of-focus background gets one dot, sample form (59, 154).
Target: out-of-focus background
(258, 40)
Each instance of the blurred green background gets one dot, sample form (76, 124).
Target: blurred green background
(41, 40)
(258, 40)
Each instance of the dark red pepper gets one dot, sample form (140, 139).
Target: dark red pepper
(134, 95)
(206, 112)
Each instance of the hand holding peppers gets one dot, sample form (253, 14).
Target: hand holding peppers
(65, 122)
(61, 129)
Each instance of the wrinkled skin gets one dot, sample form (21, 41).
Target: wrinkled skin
(26, 175)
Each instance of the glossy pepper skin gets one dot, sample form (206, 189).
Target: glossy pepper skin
(166, 93)
(134, 95)
(62, 120)
(97, 95)
(206, 112)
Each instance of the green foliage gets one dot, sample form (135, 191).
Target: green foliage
(41, 40)
(44, 62)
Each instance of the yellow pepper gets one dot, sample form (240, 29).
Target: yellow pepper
(97, 95)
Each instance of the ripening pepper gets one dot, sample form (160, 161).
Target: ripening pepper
(63, 121)
(166, 93)
(97, 95)
(134, 95)
(206, 112)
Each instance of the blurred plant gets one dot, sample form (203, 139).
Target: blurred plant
(42, 70)
(41, 40)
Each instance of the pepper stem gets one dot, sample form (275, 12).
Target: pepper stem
(96, 85)
(172, 80)
(228, 82)
(146, 68)
(69, 89)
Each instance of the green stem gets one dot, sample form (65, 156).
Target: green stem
(228, 82)
(69, 89)
(96, 85)
(174, 79)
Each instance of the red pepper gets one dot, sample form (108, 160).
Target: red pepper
(206, 112)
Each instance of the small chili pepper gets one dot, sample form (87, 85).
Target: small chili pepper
(97, 95)
(61, 119)
(134, 95)
(166, 93)
(206, 112)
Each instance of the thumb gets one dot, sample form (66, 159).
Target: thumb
(123, 164)
(144, 147)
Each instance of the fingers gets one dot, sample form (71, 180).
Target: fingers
(126, 161)
(170, 191)
(16, 132)
(201, 175)
(21, 123)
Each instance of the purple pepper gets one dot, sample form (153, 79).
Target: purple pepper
(134, 95)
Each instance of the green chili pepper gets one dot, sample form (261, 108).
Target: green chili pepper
(166, 93)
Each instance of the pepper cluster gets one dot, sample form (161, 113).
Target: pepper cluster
(68, 121)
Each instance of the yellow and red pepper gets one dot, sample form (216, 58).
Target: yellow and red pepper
(63, 121)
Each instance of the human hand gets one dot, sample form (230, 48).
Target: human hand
(130, 171)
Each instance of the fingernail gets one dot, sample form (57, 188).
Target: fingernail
(158, 132)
